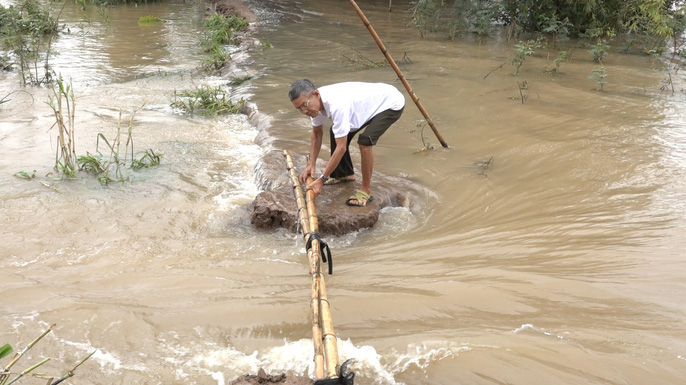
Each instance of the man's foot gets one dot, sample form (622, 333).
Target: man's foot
(343, 179)
(359, 199)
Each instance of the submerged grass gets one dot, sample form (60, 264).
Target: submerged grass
(207, 101)
(150, 20)
(220, 31)
(111, 165)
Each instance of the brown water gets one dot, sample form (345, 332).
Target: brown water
(562, 264)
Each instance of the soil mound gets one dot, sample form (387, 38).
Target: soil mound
(263, 378)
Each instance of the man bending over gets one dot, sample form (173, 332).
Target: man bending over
(354, 107)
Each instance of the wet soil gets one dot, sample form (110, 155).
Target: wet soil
(263, 378)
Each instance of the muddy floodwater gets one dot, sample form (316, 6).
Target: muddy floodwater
(562, 263)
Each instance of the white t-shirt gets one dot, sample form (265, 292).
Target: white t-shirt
(350, 105)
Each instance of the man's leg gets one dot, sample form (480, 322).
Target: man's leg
(345, 167)
(367, 155)
(375, 128)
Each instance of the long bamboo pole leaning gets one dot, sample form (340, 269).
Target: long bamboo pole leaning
(314, 301)
(383, 49)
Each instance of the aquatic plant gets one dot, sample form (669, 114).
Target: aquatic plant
(5, 373)
(220, 28)
(360, 61)
(150, 20)
(522, 50)
(599, 50)
(562, 57)
(215, 57)
(26, 33)
(219, 31)
(63, 105)
(420, 126)
(598, 75)
(238, 80)
(110, 165)
(25, 175)
(207, 100)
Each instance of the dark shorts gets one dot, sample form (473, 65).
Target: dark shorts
(377, 125)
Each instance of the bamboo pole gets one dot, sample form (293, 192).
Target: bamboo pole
(329, 336)
(4, 376)
(322, 323)
(414, 97)
(314, 301)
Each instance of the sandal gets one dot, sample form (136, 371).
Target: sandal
(361, 197)
(333, 181)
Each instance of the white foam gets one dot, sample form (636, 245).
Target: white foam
(533, 328)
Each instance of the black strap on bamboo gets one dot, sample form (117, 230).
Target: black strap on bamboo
(324, 249)
(345, 377)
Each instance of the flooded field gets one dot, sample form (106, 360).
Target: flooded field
(561, 264)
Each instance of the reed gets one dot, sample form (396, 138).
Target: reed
(63, 104)
(7, 349)
(110, 165)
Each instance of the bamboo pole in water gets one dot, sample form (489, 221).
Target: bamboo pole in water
(314, 302)
(329, 336)
(414, 97)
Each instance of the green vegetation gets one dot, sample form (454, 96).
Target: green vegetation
(5, 373)
(600, 49)
(111, 165)
(522, 50)
(598, 75)
(207, 101)
(562, 57)
(107, 167)
(150, 20)
(63, 105)
(420, 126)
(26, 33)
(26, 175)
(220, 31)
(238, 80)
(557, 18)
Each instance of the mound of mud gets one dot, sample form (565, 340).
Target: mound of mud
(277, 207)
(264, 378)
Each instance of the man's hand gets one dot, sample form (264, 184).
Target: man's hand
(309, 170)
(316, 186)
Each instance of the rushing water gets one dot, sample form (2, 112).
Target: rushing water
(561, 264)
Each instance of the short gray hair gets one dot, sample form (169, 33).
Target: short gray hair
(300, 87)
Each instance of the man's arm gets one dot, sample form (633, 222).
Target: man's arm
(315, 147)
(318, 184)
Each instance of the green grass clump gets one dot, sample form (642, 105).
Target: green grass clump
(219, 31)
(207, 101)
(150, 20)
(220, 28)
(25, 175)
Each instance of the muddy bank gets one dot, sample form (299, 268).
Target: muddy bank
(263, 378)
